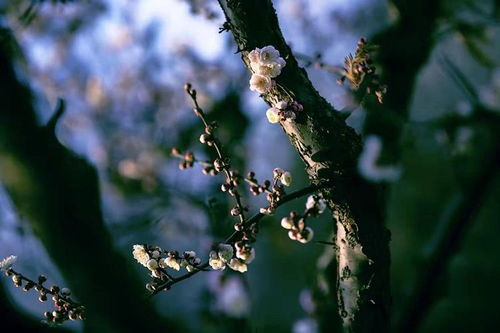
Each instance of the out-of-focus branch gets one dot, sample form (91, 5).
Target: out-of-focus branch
(329, 150)
(58, 193)
(403, 49)
(448, 241)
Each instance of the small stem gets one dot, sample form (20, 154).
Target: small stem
(199, 112)
(235, 235)
(200, 162)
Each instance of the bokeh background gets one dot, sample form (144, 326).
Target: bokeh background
(120, 66)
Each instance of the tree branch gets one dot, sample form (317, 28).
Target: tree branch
(453, 228)
(236, 235)
(329, 150)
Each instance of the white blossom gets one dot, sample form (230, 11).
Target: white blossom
(268, 55)
(286, 178)
(267, 210)
(269, 70)
(277, 172)
(311, 202)
(190, 254)
(287, 223)
(282, 105)
(238, 265)
(247, 255)
(215, 262)
(190, 268)
(314, 201)
(272, 115)
(260, 83)
(367, 163)
(254, 56)
(292, 234)
(172, 263)
(266, 64)
(7, 263)
(140, 255)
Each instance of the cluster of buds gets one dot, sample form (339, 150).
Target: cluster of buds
(297, 224)
(284, 111)
(187, 260)
(359, 69)
(274, 191)
(64, 307)
(315, 205)
(231, 183)
(255, 187)
(187, 159)
(225, 255)
(266, 64)
(157, 261)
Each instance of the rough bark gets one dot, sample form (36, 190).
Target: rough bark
(57, 192)
(329, 150)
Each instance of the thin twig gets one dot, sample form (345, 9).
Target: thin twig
(234, 236)
(217, 147)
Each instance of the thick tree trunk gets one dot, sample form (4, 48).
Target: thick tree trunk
(329, 149)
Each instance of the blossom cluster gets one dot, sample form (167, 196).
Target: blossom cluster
(296, 224)
(283, 111)
(274, 191)
(266, 64)
(285, 177)
(155, 259)
(225, 255)
(65, 308)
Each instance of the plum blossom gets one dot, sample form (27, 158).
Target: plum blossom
(260, 83)
(287, 222)
(172, 263)
(140, 254)
(238, 265)
(286, 178)
(271, 70)
(215, 262)
(265, 64)
(314, 201)
(268, 55)
(247, 254)
(272, 115)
